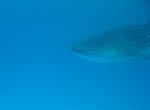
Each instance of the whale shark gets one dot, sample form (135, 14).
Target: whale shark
(118, 44)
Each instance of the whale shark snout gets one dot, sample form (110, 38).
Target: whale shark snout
(99, 55)
(82, 51)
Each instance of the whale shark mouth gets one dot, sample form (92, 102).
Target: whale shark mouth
(91, 56)
(83, 52)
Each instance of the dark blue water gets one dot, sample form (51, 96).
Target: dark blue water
(38, 70)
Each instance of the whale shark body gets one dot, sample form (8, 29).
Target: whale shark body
(130, 42)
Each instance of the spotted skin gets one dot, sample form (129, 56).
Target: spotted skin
(117, 44)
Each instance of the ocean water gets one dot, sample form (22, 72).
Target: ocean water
(38, 70)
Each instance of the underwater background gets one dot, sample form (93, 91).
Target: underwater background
(38, 70)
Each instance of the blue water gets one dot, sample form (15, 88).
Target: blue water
(38, 70)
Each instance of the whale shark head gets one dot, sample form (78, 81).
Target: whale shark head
(98, 50)
(118, 44)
